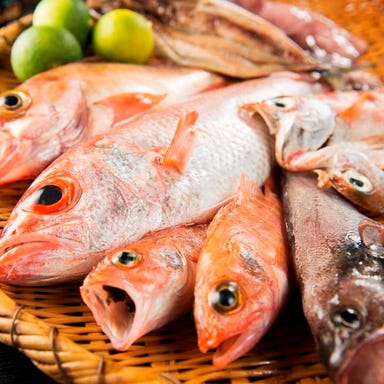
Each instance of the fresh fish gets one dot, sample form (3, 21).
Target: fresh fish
(337, 253)
(167, 167)
(217, 35)
(322, 37)
(56, 109)
(242, 273)
(339, 135)
(145, 284)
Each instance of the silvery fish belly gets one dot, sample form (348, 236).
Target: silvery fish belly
(171, 166)
(338, 258)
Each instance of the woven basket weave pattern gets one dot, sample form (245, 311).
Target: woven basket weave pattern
(58, 333)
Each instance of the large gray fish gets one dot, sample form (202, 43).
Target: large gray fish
(338, 259)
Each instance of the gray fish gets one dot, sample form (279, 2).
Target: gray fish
(338, 259)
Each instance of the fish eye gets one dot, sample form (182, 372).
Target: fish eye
(54, 196)
(126, 259)
(225, 297)
(284, 103)
(358, 181)
(347, 317)
(13, 102)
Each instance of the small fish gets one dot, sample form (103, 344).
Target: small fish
(353, 174)
(47, 114)
(242, 273)
(218, 36)
(144, 285)
(337, 254)
(175, 165)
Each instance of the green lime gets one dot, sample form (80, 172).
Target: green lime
(123, 35)
(40, 48)
(69, 14)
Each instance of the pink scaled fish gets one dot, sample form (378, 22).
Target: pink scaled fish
(145, 284)
(242, 274)
(56, 109)
(171, 166)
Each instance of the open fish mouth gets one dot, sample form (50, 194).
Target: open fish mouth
(114, 311)
(365, 365)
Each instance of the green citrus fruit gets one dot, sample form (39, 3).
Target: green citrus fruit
(40, 48)
(123, 35)
(69, 14)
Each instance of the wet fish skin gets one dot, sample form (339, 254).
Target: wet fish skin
(337, 253)
(242, 273)
(59, 108)
(144, 285)
(114, 189)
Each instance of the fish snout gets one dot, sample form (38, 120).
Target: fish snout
(366, 366)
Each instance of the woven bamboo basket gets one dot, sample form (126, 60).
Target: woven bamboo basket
(53, 327)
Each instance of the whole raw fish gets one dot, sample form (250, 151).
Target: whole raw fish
(58, 108)
(322, 37)
(338, 258)
(167, 167)
(242, 273)
(217, 35)
(145, 284)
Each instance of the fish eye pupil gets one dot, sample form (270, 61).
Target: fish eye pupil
(347, 317)
(280, 104)
(11, 101)
(225, 297)
(356, 182)
(128, 257)
(49, 194)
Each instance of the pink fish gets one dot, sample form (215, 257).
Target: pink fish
(242, 274)
(167, 167)
(56, 109)
(145, 284)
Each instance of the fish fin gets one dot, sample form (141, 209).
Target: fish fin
(181, 146)
(322, 179)
(248, 189)
(356, 109)
(126, 105)
(372, 235)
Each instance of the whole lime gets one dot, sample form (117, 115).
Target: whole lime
(69, 14)
(123, 35)
(40, 48)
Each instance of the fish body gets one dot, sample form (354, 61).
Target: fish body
(167, 167)
(47, 114)
(337, 255)
(242, 274)
(145, 284)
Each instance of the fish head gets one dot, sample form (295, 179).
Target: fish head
(72, 215)
(351, 336)
(37, 121)
(139, 288)
(232, 303)
(300, 125)
(353, 174)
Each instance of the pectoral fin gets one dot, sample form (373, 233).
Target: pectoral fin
(126, 105)
(181, 146)
(372, 236)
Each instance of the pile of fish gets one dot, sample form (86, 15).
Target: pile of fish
(166, 189)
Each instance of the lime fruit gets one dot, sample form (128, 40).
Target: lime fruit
(69, 14)
(40, 48)
(123, 35)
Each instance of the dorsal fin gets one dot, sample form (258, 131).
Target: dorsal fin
(181, 146)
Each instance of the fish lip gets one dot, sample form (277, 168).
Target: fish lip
(342, 374)
(96, 295)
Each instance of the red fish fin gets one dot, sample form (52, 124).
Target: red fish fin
(353, 111)
(181, 146)
(126, 105)
(372, 236)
